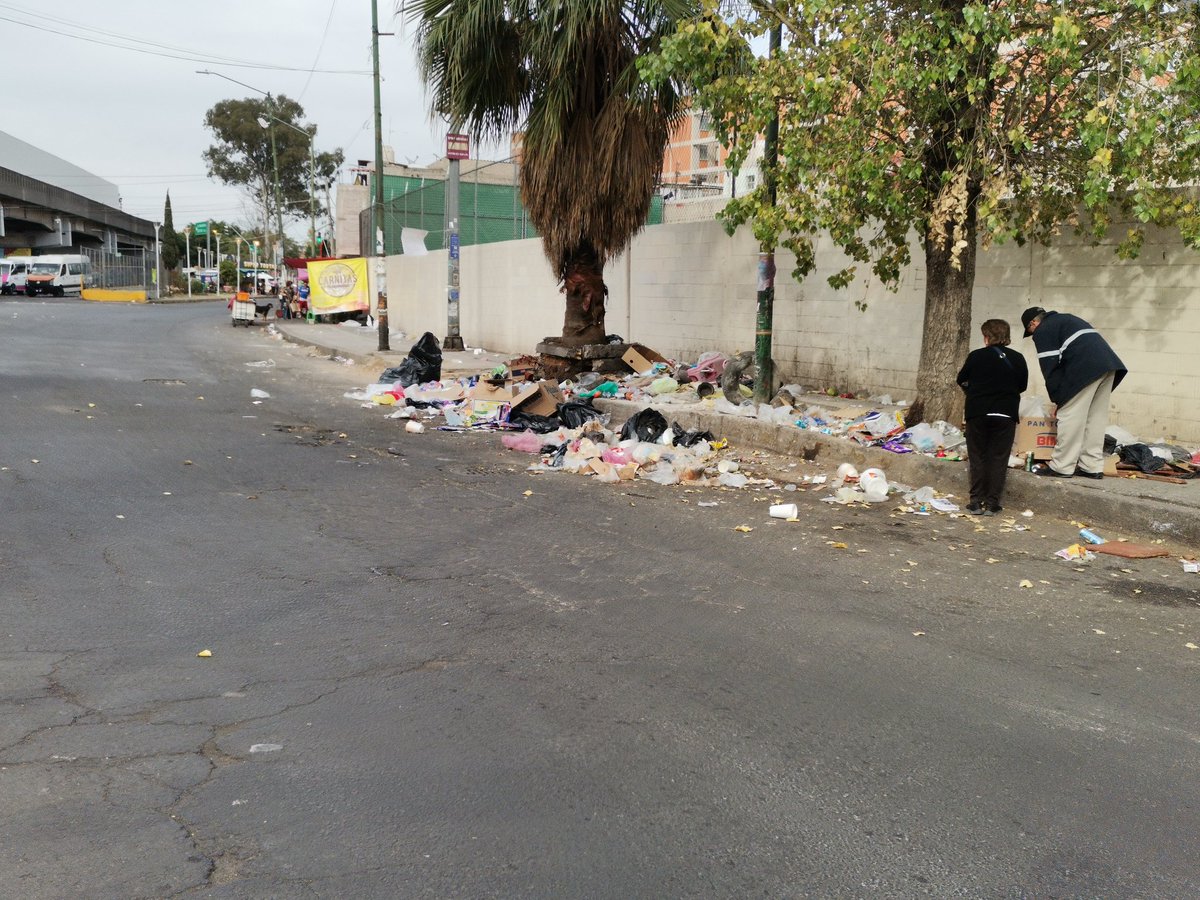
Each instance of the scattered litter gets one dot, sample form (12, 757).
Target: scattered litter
(943, 505)
(1098, 631)
(1130, 551)
(265, 748)
(414, 427)
(262, 364)
(1026, 583)
(1076, 552)
(707, 504)
(204, 654)
(918, 634)
(1192, 646)
(744, 529)
(1191, 566)
(1028, 514)
(785, 511)
(1091, 537)
(260, 394)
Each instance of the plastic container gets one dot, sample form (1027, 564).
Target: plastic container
(414, 427)
(1091, 537)
(785, 511)
(874, 484)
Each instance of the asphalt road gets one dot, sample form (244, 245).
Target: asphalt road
(483, 683)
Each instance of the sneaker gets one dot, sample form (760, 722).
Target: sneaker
(995, 509)
(975, 509)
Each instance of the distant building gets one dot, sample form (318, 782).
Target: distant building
(694, 163)
(49, 205)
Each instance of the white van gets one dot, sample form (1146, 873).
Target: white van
(57, 275)
(13, 272)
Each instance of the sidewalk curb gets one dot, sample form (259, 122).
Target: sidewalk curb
(1139, 518)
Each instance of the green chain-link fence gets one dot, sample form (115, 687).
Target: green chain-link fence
(490, 208)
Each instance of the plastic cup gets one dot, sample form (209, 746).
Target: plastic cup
(785, 511)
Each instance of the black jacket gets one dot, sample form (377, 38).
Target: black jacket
(993, 378)
(1073, 355)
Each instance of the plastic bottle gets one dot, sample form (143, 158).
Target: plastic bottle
(1091, 537)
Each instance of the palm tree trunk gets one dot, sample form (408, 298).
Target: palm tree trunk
(583, 285)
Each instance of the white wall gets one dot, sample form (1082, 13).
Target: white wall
(693, 289)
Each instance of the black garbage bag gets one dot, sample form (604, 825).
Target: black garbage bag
(528, 421)
(647, 425)
(1110, 445)
(574, 413)
(689, 438)
(423, 363)
(1141, 456)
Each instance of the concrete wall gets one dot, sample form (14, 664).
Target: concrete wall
(693, 289)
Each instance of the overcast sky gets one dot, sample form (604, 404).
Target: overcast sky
(137, 118)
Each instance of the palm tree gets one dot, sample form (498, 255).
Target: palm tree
(566, 72)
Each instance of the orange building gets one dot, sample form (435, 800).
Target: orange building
(694, 162)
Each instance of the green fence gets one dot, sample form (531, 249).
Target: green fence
(490, 209)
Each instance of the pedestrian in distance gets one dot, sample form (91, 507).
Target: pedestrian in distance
(1081, 371)
(993, 378)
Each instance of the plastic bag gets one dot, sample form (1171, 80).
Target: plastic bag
(1141, 456)
(423, 363)
(525, 442)
(925, 437)
(1033, 407)
(530, 422)
(690, 438)
(647, 425)
(575, 413)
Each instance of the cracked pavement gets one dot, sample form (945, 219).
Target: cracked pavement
(588, 691)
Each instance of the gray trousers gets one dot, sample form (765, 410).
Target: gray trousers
(1081, 424)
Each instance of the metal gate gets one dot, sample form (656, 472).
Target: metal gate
(123, 269)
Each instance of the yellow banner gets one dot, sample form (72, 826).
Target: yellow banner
(338, 285)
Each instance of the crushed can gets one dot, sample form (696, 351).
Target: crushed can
(1029, 461)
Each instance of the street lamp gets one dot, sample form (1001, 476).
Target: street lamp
(312, 168)
(187, 244)
(217, 235)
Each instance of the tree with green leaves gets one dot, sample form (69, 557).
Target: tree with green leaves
(169, 243)
(243, 156)
(593, 133)
(960, 122)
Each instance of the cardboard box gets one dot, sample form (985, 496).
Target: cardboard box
(538, 399)
(485, 391)
(640, 358)
(1036, 433)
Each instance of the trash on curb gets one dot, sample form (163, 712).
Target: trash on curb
(1076, 552)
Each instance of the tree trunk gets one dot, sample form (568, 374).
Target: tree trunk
(946, 335)
(583, 284)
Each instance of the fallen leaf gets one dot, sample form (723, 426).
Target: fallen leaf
(529, 493)
(837, 545)
(918, 634)
(35, 460)
(204, 654)
(188, 462)
(910, 562)
(744, 529)
(1026, 583)
(839, 527)
(1098, 631)
(991, 560)
(1192, 646)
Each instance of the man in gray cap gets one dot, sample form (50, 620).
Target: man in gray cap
(1081, 371)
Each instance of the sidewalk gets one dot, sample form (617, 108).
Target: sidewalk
(1132, 508)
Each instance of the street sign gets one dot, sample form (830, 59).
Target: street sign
(200, 229)
(458, 146)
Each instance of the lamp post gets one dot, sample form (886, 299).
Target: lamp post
(217, 235)
(157, 262)
(187, 244)
(256, 265)
(312, 168)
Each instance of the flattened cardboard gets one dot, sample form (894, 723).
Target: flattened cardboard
(485, 391)
(1130, 551)
(640, 358)
(1036, 433)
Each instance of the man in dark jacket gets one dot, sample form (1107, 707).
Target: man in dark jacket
(1081, 371)
(993, 377)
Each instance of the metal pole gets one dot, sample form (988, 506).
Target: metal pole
(237, 275)
(453, 339)
(218, 236)
(278, 205)
(763, 362)
(187, 244)
(381, 315)
(157, 263)
(312, 199)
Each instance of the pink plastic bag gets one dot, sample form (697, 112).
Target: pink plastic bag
(525, 442)
(618, 456)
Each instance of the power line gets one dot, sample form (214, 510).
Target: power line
(186, 55)
(320, 50)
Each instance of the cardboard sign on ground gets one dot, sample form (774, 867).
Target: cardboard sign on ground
(1036, 433)
(1129, 551)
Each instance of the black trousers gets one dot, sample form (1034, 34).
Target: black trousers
(989, 444)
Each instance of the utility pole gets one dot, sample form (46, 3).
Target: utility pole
(381, 316)
(457, 147)
(763, 332)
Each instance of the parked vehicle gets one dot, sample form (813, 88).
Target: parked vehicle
(13, 272)
(57, 275)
